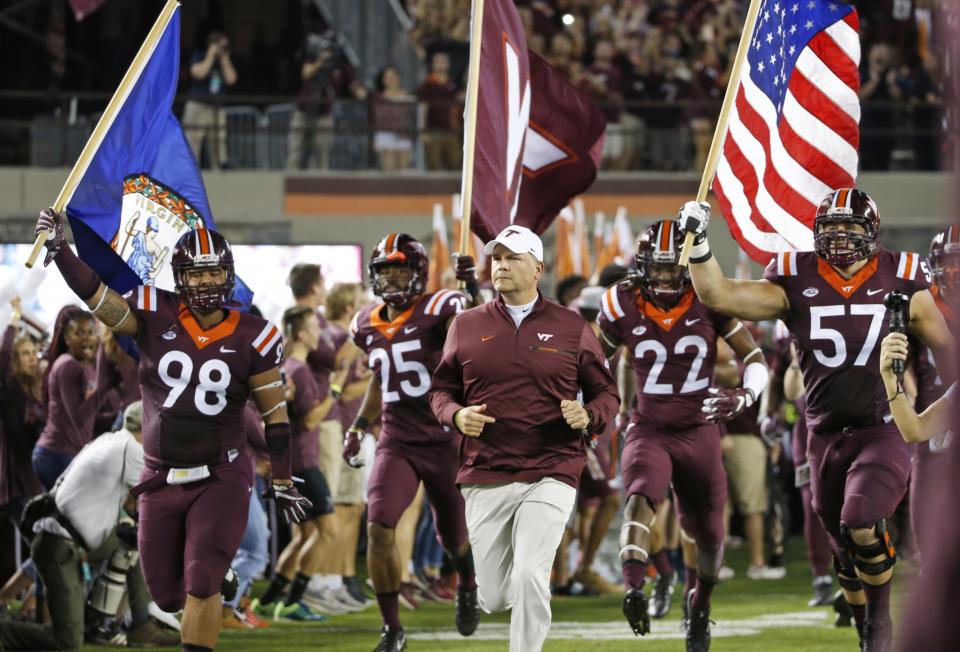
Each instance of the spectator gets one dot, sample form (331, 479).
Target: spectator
(668, 134)
(394, 115)
(709, 86)
(878, 118)
(73, 393)
(921, 88)
(22, 415)
(204, 121)
(326, 76)
(603, 81)
(441, 140)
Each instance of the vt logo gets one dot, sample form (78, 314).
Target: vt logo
(544, 336)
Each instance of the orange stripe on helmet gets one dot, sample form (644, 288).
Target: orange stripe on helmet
(666, 235)
(842, 198)
(391, 244)
(204, 242)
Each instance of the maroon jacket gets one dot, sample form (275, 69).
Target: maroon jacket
(522, 375)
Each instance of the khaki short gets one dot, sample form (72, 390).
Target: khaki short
(331, 452)
(349, 489)
(746, 467)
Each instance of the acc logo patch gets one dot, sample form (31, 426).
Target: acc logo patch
(811, 292)
(170, 335)
(639, 330)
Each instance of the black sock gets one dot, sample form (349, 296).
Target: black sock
(190, 647)
(297, 588)
(276, 588)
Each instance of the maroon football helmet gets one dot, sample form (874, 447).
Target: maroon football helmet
(945, 259)
(200, 249)
(662, 279)
(842, 248)
(399, 250)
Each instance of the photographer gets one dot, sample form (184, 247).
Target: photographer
(327, 76)
(77, 526)
(211, 72)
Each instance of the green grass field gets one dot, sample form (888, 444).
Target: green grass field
(750, 616)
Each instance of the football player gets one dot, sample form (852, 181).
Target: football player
(832, 300)
(671, 339)
(403, 337)
(199, 361)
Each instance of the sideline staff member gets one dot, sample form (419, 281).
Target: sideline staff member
(509, 380)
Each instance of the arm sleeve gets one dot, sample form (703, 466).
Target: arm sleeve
(596, 382)
(446, 390)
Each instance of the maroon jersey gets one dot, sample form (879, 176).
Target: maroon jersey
(322, 360)
(404, 354)
(838, 324)
(306, 442)
(194, 381)
(674, 352)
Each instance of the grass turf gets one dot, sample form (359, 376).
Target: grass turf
(750, 616)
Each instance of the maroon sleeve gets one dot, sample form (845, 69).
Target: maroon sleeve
(72, 385)
(267, 347)
(6, 352)
(613, 324)
(446, 390)
(596, 382)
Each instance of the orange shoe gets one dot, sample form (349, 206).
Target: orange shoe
(231, 620)
(253, 620)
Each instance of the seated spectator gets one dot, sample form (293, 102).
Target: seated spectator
(441, 139)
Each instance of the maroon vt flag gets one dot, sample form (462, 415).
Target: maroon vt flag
(538, 139)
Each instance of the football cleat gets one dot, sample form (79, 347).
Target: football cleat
(467, 611)
(842, 609)
(697, 625)
(391, 640)
(636, 611)
(822, 592)
(662, 597)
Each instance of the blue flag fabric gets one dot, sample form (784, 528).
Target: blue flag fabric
(143, 188)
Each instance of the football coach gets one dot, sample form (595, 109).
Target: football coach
(511, 378)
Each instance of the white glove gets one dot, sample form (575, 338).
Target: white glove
(694, 218)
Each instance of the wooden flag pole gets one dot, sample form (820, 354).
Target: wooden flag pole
(106, 120)
(720, 133)
(470, 124)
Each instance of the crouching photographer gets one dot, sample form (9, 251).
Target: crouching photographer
(77, 526)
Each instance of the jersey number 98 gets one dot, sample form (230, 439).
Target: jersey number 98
(210, 395)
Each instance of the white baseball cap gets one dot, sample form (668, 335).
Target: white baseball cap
(519, 240)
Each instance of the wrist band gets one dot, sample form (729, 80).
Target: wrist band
(361, 423)
(700, 252)
(336, 391)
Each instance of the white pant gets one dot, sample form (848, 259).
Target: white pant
(515, 530)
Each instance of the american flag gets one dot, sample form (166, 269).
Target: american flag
(794, 129)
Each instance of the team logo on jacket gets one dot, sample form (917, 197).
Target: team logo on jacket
(544, 337)
(153, 216)
(639, 330)
(811, 292)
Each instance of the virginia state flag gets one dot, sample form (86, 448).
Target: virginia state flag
(142, 189)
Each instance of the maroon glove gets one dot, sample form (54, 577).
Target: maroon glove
(465, 270)
(351, 447)
(50, 220)
(725, 404)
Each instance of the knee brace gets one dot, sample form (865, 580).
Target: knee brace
(882, 547)
(626, 549)
(847, 577)
(111, 585)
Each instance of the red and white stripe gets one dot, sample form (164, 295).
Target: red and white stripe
(440, 297)
(269, 336)
(772, 174)
(907, 267)
(147, 298)
(610, 305)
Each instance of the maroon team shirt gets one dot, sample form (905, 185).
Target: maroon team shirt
(523, 374)
(194, 382)
(70, 412)
(403, 354)
(322, 360)
(674, 352)
(838, 324)
(306, 442)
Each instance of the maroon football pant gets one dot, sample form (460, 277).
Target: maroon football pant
(189, 533)
(398, 470)
(818, 544)
(692, 461)
(858, 477)
(929, 472)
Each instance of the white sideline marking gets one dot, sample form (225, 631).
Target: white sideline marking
(618, 630)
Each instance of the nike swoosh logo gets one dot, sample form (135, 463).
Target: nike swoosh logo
(225, 350)
(409, 329)
(870, 293)
(486, 338)
(691, 322)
